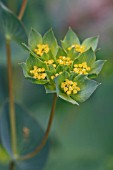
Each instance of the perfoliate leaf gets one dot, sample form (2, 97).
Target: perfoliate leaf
(50, 39)
(11, 26)
(34, 39)
(29, 135)
(91, 43)
(70, 39)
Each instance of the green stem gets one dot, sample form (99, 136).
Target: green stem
(11, 98)
(44, 140)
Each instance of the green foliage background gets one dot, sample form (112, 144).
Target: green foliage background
(81, 136)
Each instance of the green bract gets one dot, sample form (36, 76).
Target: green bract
(72, 39)
(65, 70)
(86, 85)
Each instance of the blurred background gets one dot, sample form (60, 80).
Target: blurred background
(81, 136)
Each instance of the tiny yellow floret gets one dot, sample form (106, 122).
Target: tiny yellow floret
(70, 87)
(81, 68)
(62, 60)
(57, 74)
(41, 49)
(50, 62)
(78, 48)
(38, 73)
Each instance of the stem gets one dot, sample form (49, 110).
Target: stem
(22, 10)
(11, 98)
(44, 140)
(11, 166)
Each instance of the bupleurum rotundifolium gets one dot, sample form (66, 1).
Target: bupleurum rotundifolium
(48, 64)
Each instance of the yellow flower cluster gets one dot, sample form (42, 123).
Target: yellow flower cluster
(38, 73)
(49, 62)
(57, 74)
(81, 68)
(78, 48)
(64, 60)
(41, 49)
(70, 87)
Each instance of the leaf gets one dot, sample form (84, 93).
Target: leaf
(29, 136)
(4, 157)
(50, 88)
(11, 26)
(97, 67)
(29, 77)
(88, 57)
(50, 39)
(70, 39)
(87, 87)
(33, 61)
(61, 94)
(60, 52)
(91, 43)
(34, 39)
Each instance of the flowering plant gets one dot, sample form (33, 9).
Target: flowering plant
(67, 70)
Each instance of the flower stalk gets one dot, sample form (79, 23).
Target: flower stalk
(11, 98)
(44, 140)
(22, 10)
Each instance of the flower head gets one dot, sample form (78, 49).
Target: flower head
(65, 70)
(41, 49)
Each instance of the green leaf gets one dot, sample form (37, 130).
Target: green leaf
(73, 54)
(97, 67)
(30, 63)
(50, 88)
(33, 61)
(11, 26)
(70, 39)
(26, 142)
(34, 39)
(87, 87)
(60, 52)
(88, 57)
(4, 157)
(61, 94)
(50, 39)
(91, 43)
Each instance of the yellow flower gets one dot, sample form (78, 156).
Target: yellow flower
(70, 87)
(49, 62)
(81, 68)
(62, 60)
(57, 74)
(41, 49)
(78, 48)
(38, 73)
